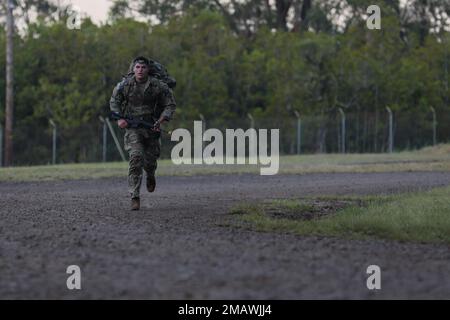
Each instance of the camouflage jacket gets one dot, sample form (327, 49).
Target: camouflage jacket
(157, 99)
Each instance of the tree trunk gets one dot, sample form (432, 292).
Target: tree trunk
(282, 11)
(9, 110)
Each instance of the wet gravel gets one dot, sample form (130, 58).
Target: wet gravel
(179, 246)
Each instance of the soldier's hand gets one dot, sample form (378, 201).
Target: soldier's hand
(122, 123)
(157, 126)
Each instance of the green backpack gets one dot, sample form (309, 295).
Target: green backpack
(158, 71)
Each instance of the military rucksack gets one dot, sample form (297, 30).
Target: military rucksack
(158, 71)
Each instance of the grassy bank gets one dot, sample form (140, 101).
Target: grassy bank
(416, 217)
(428, 159)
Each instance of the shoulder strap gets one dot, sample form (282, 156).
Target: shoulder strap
(125, 88)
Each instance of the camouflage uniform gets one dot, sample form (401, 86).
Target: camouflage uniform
(148, 101)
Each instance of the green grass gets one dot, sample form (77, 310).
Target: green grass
(428, 159)
(412, 217)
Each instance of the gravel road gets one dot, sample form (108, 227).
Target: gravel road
(179, 246)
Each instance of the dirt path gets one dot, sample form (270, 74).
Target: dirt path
(177, 246)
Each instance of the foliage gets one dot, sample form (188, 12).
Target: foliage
(68, 75)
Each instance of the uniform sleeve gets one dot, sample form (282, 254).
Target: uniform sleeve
(166, 102)
(117, 98)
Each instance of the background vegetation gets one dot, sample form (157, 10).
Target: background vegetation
(266, 58)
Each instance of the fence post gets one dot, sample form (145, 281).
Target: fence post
(252, 121)
(116, 141)
(1, 145)
(434, 125)
(202, 118)
(203, 122)
(391, 133)
(104, 134)
(52, 123)
(299, 131)
(342, 130)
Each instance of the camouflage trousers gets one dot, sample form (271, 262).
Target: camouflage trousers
(143, 149)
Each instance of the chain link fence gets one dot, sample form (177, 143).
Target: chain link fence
(336, 132)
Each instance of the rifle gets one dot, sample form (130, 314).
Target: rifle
(136, 123)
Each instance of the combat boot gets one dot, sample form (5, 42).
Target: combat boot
(135, 204)
(151, 183)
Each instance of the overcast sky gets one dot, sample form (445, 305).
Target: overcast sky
(96, 9)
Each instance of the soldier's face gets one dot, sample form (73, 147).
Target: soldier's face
(140, 71)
